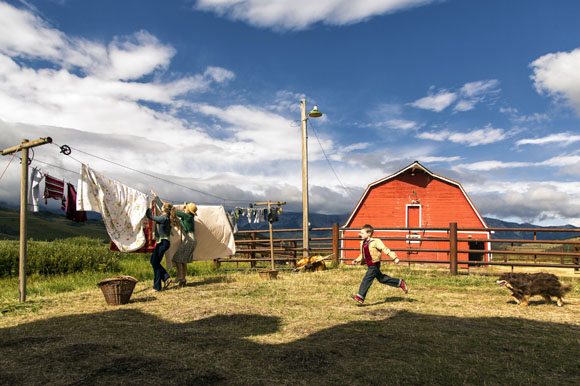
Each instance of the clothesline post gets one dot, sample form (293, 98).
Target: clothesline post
(269, 204)
(23, 148)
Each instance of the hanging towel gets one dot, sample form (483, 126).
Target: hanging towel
(71, 206)
(34, 191)
(123, 208)
(213, 233)
(54, 188)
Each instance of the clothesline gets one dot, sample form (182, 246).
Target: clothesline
(142, 172)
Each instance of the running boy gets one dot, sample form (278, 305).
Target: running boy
(371, 250)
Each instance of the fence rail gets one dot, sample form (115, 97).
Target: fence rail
(253, 247)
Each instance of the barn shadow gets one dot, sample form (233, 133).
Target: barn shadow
(130, 347)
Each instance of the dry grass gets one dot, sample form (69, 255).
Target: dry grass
(303, 329)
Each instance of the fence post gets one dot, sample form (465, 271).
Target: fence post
(453, 248)
(253, 254)
(335, 241)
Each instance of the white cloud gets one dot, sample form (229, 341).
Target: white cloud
(469, 95)
(562, 138)
(521, 118)
(568, 160)
(491, 165)
(529, 201)
(473, 138)
(301, 14)
(401, 124)
(465, 105)
(435, 159)
(437, 102)
(477, 88)
(557, 75)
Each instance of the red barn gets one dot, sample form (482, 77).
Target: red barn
(413, 198)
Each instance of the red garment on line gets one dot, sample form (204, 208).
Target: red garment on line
(54, 188)
(71, 206)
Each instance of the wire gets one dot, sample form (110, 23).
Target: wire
(149, 175)
(9, 162)
(330, 164)
(54, 166)
(332, 168)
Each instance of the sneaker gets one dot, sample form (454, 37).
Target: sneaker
(403, 286)
(357, 298)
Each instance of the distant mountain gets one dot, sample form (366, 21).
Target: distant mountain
(293, 220)
(495, 223)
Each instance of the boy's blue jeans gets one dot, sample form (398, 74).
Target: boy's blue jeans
(158, 271)
(374, 272)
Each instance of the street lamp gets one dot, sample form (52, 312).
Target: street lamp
(314, 114)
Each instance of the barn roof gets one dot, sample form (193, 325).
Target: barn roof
(414, 166)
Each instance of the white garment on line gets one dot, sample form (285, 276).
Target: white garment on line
(213, 233)
(123, 208)
(36, 177)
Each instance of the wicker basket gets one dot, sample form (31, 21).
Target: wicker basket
(118, 289)
(271, 274)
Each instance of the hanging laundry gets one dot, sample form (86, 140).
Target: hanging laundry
(149, 246)
(54, 188)
(123, 208)
(34, 191)
(213, 234)
(71, 206)
(233, 218)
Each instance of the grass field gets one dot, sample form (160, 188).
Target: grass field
(233, 328)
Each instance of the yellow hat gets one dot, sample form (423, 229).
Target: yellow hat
(191, 207)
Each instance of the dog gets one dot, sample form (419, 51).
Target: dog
(526, 285)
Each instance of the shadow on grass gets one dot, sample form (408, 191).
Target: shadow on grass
(143, 300)
(130, 347)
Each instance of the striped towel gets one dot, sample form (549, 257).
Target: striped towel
(54, 188)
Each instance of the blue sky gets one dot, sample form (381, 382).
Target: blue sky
(207, 94)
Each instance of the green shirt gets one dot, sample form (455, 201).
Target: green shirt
(187, 221)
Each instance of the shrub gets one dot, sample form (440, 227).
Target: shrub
(59, 256)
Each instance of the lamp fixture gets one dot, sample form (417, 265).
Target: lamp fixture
(315, 113)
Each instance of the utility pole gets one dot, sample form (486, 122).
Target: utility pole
(305, 235)
(23, 148)
(305, 223)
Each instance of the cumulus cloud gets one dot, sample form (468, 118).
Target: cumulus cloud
(556, 74)
(301, 14)
(472, 138)
(111, 100)
(533, 202)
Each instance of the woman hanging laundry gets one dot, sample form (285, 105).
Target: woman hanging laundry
(185, 251)
(163, 230)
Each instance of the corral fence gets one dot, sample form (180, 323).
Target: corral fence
(449, 247)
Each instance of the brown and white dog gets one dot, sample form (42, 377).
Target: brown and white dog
(526, 285)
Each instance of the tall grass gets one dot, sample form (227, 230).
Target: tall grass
(77, 254)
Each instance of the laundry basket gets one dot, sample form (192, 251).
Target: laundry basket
(118, 289)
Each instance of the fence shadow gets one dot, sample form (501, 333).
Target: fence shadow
(131, 347)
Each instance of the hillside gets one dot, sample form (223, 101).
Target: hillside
(48, 226)
(495, 223)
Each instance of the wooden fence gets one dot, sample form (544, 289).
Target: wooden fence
(253, 248)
